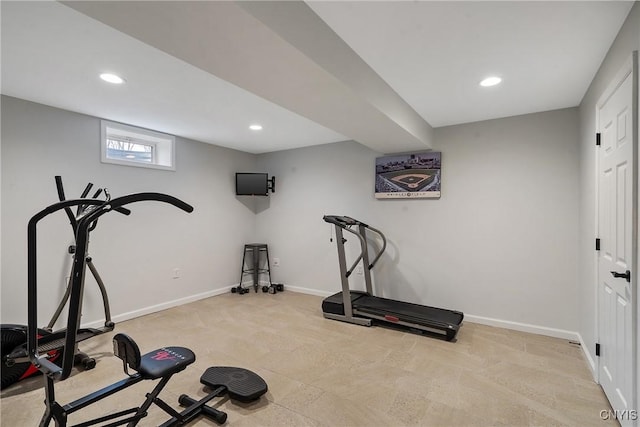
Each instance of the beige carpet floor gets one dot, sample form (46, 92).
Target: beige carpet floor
(326, 373)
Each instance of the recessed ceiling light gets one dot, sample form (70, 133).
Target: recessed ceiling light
(112, 78)
(490, 81)
(255, 127)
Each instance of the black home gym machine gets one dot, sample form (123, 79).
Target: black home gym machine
(15, 361)
(363, 308)
(73, 221)
(160, 364)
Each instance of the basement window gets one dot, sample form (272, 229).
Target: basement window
(132, 146)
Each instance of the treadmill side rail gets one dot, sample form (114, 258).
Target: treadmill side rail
(362, 321)
(406, 324)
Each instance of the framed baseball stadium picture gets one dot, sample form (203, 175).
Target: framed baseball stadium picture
(412, 176)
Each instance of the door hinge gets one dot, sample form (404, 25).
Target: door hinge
(597, 349)
(598, 139)
(597, 244)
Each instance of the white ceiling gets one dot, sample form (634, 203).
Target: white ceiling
(53, 55)
(434, 54)
(381, 73)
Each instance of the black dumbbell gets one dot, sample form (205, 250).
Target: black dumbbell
(239, 289)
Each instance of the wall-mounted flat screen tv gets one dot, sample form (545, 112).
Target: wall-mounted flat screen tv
(254, 184)
(414, 175)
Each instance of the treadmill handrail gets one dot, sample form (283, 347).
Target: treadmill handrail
(382, 249)
(345, 222)
(362, 242)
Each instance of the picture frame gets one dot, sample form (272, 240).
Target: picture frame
(412, 175)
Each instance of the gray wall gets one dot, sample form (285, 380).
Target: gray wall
(135, 255)
(500, 243)
(626, 42)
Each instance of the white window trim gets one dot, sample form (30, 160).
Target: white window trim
(162, 142)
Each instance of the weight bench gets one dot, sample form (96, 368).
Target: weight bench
(161, 364)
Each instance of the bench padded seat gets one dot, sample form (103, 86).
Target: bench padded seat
(165, 361)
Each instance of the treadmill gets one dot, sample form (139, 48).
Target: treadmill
(364, 308)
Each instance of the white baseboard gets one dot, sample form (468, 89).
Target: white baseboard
(181, 301)
(159, 307)
(308, 291)
(524, 327)
(590, 360)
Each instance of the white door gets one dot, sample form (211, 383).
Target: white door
(617, 276)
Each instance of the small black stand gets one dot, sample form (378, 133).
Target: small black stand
(255, 252)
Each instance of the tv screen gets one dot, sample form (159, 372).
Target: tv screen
(408, 176)
(251, 184)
